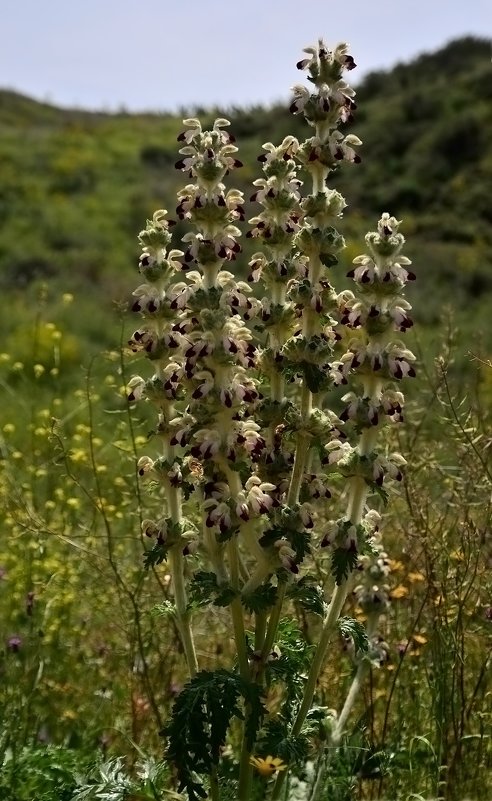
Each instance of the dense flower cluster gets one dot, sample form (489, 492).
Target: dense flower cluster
(227, 361)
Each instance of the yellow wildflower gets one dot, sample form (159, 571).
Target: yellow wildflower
(416, 577)
(267, 766)
(399, 592)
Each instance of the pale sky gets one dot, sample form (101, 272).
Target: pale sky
(166, 54)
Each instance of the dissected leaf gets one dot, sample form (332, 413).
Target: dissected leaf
(204, 589)
(356, 631)
(307, 593)
(262, 598)
(200, 720)
(343, 561)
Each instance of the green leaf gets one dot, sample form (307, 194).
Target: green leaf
(314, 377)
(343, 561)
(291, 665)
(252, 694)
(155, 555)
(270, 535)
(356, 631)
(301, 543)
(300, 540)
(165, 609)
(200, 720)
(307, 593)
(204, 589)
(277, 740)
(328, 259)
(262, 598)
(381, 492)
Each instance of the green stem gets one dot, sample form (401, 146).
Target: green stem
(357, 681)
(237, 610)
(245, 769)
(333, 613)
(277, 387)
(245, 772)
(260, 630)
(302, 443)
(302, 448)
(214, 785)
(249, 536)
(336, 735)
(356, 500)
(260, 573)
(273, 624)
(367, 440)
(243, 570)
(355, 510)
(176, 564)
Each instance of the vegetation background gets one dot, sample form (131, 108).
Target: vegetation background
(88, 661)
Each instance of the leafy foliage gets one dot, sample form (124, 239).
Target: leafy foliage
(164, 609)
(44, 773)
(200, 720)
(262, 598)
(155, 555)
(308, 594)
(343, 561)
(356, 631)
(112, 781)
(278, 740)
(291, 665)
(204, 590)
(300, 540)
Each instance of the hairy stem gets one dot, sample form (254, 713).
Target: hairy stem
(273, 623)
(355, 508)
(260, 630)
(176, 564)
(237, 610)
(360, 675)
(245, 769)
(334, 609)
(260, 573)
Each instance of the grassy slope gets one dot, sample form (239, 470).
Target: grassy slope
(75, 187)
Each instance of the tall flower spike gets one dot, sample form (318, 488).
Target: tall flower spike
(374, 358)
(247, 447)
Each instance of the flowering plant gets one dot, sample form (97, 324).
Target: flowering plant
(255, 436)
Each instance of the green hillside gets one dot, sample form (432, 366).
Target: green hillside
(75, 187)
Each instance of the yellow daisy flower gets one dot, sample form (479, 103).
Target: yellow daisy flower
(267, 766)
